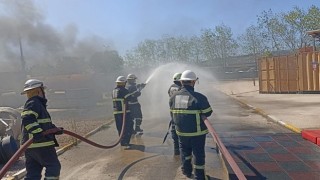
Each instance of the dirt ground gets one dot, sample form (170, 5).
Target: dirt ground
(75, 122)
(81, 127)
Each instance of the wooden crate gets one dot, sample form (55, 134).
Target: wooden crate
(297, 73)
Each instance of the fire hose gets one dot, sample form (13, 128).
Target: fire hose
(224, 151)
(23, 147)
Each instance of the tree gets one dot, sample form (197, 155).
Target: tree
(218, 43)
(312, 18)
(287, 31)
(251, 42)
(225, 44)
(196, 49)
(269, 25)
(108, 61)
(208, 44)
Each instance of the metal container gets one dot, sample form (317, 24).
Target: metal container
(8, 148)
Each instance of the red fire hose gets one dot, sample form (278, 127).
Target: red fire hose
(22, 148)
(225, 152)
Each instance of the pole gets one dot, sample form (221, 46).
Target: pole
(23, 62)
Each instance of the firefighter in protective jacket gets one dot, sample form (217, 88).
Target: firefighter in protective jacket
(189, 108)
(120, 98)
(173, 88)
(134, 105)
(35, 120)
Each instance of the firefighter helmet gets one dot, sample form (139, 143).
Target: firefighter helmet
(32, 84)
(188, 75)
(176, 76)
(131, 76)
(121, 79)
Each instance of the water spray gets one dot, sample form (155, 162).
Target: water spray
(151, 76)
(154, 73)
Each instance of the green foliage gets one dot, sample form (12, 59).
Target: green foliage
(212, 45)
(273, 32)
(168, 49)
(106, 62)
(252, 42)
(287, 31)
(312, 18)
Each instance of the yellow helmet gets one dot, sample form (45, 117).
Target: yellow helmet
(176, 76)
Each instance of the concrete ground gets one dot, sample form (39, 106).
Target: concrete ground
(262, 149)
(299, 111)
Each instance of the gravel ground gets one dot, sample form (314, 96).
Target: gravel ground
(78, 125)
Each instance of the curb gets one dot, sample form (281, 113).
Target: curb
(268, 116)
(20, 174)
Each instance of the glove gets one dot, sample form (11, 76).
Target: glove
(143, 85)
(38, 137)
(59, 132)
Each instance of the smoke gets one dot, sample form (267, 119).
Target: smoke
(49, 51)
(41, 43)
(60, 58)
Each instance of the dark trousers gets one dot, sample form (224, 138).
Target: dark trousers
(135, 111)
(174, 137)
(127, 129)
(193, 145)
(39, 158)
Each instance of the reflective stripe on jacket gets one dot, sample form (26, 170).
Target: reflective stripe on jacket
(187, 108)
(36, 119)
(120, 96)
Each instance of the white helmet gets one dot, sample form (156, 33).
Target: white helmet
(32, 84)
(131, 76)
(188, 75)
(176, 76)
(121, 79)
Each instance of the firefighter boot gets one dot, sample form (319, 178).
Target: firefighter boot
(133, 131)
(137, 129)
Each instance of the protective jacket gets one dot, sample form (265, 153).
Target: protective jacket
(134, 105)
(173, 88)
(134, 92)
(187, 108)
(120, 97)
(36, 119)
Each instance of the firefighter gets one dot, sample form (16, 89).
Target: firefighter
(189, 109)
(134, 105)
(120, 97)
(35, 120)
(173, 88)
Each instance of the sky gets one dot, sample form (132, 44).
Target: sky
(125, 23)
